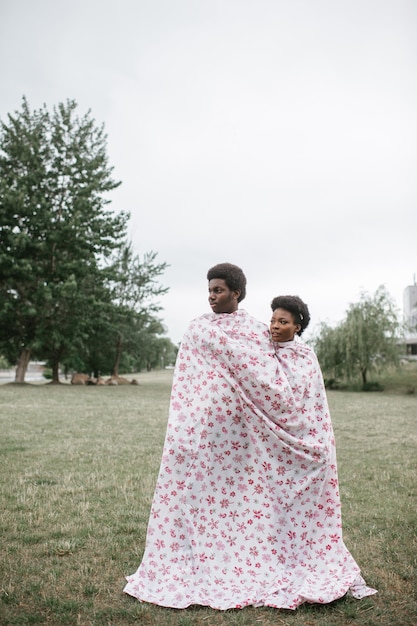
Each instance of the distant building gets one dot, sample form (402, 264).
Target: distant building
(410, 318)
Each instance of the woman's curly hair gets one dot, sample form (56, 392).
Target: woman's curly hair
(233, 276)
(295, 306)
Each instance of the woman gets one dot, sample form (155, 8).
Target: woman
(238, 464)
(322, 569)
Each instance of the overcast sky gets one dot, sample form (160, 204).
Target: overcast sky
(280, 135)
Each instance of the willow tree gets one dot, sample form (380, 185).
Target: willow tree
(55, 227)
(365, 341)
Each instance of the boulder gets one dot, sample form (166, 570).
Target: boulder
(80, 379)
(118, 380)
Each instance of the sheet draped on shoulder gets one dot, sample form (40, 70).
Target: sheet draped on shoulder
(246, 509)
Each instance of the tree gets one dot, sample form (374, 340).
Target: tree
(126, 329)
(55, 229)
(330, 352)
(366, 341)
(135, 288)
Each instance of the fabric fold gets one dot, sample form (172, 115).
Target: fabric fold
(246, 509)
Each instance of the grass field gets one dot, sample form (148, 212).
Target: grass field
(78, 467)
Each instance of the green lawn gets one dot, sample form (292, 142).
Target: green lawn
(78, 468)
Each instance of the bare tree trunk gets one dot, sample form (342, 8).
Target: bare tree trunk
(116, 365)
(55, 372)
(22, 366)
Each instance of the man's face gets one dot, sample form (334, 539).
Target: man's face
(221, 298)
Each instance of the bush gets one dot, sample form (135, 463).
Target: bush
(372, 386)
(47, 373)
(334, 384)
(4, 364)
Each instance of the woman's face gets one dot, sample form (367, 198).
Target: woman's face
(283, 326)
(221, 299)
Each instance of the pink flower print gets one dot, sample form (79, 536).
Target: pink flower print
(216, 442)
(164, 498)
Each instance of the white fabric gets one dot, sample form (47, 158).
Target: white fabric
(246, 509)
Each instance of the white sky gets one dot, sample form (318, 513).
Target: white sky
(280, 135)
